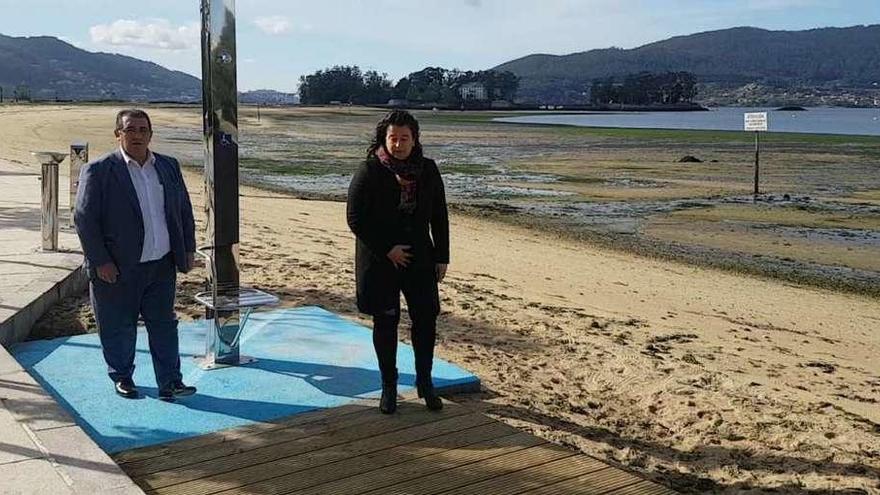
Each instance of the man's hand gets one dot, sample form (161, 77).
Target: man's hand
(441, 271)
(399, 256)
(107, 272)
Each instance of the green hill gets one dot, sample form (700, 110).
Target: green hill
(52, 69)
(827, 57)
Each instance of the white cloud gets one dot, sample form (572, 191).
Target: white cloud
(274, 24)
(155, 33)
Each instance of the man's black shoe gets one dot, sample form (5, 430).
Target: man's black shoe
(177, 389)
(125, 388)
(181, 390)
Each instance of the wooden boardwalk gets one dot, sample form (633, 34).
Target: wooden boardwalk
(355, 449)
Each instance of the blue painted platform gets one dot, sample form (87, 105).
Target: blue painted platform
(307, 358)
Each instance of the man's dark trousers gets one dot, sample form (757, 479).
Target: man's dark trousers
(145, 289)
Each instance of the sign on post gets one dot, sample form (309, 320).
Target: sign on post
(757, 122)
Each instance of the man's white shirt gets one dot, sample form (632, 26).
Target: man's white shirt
(151, 198)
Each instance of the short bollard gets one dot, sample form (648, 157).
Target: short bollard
(49, 161)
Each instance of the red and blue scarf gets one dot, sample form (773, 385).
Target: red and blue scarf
(407, 173)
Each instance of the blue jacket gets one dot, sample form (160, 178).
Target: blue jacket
(108, 216)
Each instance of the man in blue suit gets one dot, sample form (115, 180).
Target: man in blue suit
(135, 223)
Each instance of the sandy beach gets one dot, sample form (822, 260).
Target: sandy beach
(702, 380)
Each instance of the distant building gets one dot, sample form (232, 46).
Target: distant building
(472, 91)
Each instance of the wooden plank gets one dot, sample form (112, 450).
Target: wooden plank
(354, 449)
(533, 477)
(375, 460)
(416, 468)
(644, 487)
(276, 445)
(475, 472)
(202, 441)
(243, 444)
(275, 471)
(605, 481)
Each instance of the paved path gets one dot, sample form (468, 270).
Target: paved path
(31, 280)
(42, 450)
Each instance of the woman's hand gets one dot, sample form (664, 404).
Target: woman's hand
(441, 271)
(399, 256)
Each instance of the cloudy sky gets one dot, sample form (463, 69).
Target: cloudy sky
(280, 40)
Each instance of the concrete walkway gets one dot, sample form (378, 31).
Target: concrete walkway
(42, 450)
(31, 280)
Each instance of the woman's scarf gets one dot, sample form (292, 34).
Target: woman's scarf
(407, 173)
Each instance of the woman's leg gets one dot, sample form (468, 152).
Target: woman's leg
(423, 303)
(424, 335)
(385, 343)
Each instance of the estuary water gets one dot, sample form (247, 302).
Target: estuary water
(815, 120)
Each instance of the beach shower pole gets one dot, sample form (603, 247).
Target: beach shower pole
(220, 112)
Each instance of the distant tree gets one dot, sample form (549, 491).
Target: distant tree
(377, 88)
(431, 85)
(439, 85)
(401, 88)
(345, 84)
(645, 88)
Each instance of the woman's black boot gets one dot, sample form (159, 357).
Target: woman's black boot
(428, 393)
(388, 402)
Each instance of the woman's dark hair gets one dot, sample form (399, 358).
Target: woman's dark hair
(396, 118)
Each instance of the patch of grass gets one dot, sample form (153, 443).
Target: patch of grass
(871, 195)
(297, 167)
(581, 180)
(791, 216)
(466, 117)
(710, 136)
(455, 167)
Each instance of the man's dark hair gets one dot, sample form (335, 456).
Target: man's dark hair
(396, 118)
(132, 113)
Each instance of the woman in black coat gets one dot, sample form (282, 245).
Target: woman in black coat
(397, 211)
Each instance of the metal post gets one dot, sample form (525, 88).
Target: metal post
(49, 205)
(757, 158)
(79, 156)
(220, 111)
(49, 161)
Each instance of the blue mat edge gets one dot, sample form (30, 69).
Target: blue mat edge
(468, 384)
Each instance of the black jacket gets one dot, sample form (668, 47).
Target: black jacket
(377, 222)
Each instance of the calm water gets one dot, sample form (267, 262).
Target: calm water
(817, 120)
